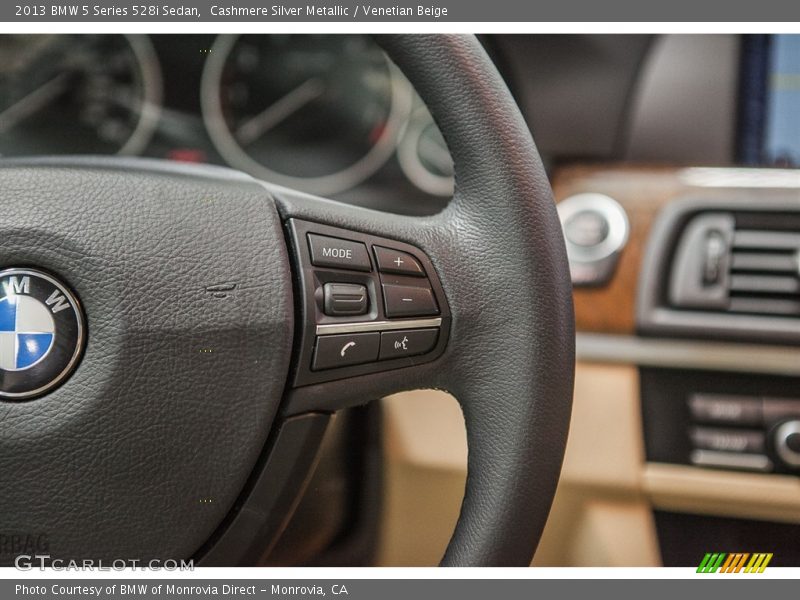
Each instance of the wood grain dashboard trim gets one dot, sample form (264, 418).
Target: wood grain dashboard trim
(643, 192)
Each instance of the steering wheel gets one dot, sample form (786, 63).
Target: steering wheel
(208, 324)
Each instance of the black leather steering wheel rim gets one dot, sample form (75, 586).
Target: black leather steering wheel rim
(145, 449)
(499, 251)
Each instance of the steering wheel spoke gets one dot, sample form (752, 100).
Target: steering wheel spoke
(373, 315)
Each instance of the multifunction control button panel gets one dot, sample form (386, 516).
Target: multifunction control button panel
(722, 420)
(369, 304)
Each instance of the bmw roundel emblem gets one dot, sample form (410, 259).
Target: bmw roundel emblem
(41, 333)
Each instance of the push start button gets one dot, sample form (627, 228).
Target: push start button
(586, 228)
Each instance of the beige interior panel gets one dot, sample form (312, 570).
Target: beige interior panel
(426, 429)
(600, 516)
(602, 513)
(599, 502)
(419, 515)
(706, 491)
(425, 469)
(588, 530)
(605, 447)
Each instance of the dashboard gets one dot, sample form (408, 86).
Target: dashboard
(330, 115)
(326, 114)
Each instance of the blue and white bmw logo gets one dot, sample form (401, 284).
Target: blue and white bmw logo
(41, 333)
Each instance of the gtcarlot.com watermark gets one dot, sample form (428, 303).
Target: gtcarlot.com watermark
(30, 562)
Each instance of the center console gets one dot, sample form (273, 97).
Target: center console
(704, 302)
(721, 420)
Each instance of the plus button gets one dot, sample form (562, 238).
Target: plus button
(391, 260)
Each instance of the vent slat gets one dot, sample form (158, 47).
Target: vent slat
(743, 261)
(765, 284)
(765, 306)
(763, 270)
(767, 240)
(755, 272)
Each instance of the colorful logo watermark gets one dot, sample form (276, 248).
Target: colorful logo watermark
(738, 562)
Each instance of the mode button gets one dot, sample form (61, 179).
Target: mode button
(339, 254)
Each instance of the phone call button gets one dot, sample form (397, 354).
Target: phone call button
(344, 350)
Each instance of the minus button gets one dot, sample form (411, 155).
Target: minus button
(409, 301)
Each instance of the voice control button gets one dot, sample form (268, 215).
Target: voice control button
(408, 342)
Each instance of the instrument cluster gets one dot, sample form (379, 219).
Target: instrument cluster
(325, 114)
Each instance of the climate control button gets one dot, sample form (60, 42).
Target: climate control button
(787, 443)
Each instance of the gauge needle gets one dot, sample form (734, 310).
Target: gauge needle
(254, 128)
(31, 103)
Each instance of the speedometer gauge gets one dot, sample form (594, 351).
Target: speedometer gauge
(424, 156)
(320, 113)
(59, 94)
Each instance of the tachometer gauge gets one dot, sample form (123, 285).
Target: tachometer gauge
(424, 157)
(320, 113)
(89, 94)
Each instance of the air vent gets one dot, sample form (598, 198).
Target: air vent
(725, 266)
(699, 275)
(765, 272)
(737, 264)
